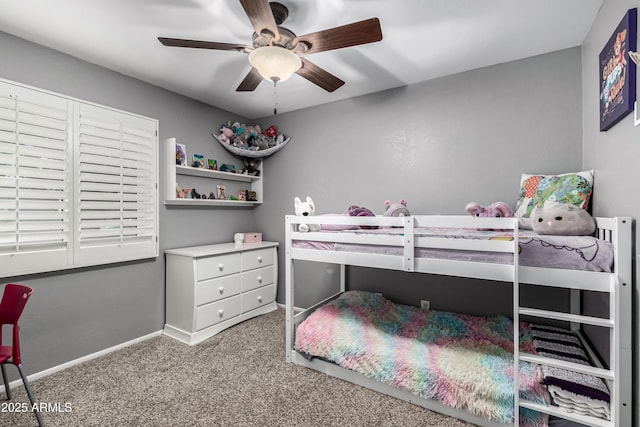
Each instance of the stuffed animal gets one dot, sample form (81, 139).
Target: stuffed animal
(251, 166)
(562, 219)
(497, 210)
(355, 210)
(226, 135)
(396, 209)
(271, 131)
(305, 209)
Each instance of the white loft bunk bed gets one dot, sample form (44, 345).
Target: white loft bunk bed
(401, 250)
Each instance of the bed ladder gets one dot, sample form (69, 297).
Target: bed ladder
(617, 377)
(606, 374)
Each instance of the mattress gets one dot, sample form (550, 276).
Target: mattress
(585, 253)
(462, 361)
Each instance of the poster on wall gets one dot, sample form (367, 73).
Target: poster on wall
(618, 73)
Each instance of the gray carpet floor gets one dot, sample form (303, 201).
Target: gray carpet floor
(236, 378)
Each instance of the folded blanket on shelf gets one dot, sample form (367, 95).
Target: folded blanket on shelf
(462, 361)
(571, 391)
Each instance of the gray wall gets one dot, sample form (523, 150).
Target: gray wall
(613, 154)
(75, 313)
(437, 144)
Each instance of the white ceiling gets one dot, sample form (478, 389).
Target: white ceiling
(422, 40)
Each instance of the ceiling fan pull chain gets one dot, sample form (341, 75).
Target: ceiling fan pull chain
(275, 97)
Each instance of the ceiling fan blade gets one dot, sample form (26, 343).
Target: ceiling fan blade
(319, 76)
(362, 32)
(261, 16)
(250, 82)
(203, 44)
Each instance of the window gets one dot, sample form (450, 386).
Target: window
(116, 185)
(78, 183)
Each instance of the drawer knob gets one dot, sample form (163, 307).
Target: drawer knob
(221, 289)
(221, 312)
(259, 299)
(221, 267)
(259, 279)
(259, 259)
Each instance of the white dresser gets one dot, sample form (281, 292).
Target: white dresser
(210, 288)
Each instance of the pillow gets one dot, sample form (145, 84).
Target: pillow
(536, 190)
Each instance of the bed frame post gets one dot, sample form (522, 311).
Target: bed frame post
(575, 307)
(409, 244)
(620, 307)
(289, 300)
(516, 326)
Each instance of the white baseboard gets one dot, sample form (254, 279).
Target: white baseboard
(83, 359)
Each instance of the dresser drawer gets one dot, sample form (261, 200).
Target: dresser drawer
(215, 289)
(257, 278)
(215, 312)
(258, 297)
(216, 266)
(256, 259)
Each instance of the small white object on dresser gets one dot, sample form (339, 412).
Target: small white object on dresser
(210, 288)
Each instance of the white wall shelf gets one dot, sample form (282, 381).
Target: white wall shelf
(208, 173)
(212, 177)
(208, 202)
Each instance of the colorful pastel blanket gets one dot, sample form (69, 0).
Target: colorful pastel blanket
(462, 361)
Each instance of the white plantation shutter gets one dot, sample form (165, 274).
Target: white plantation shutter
(34, 181)
(78, 183)
(116, 208)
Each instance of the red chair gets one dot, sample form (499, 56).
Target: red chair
(13, 301)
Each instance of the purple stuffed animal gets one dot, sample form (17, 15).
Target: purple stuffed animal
(396, 209)
(497, 210)
(355, 210)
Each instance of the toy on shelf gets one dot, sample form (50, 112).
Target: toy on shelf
(221, 192)
(251, 166)
(198, 161)
(181, 193)
(181, 155)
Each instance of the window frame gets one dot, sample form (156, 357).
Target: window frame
(139, 203)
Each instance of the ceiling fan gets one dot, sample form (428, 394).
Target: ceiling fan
(276, 52)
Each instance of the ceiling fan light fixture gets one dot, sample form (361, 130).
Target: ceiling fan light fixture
(274, 63)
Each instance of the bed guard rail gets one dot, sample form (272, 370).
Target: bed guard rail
(365, 231)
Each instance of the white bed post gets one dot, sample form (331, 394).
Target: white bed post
(614, 353)
(409, 244)
(288, 274)
(575, 307)
(621, 334)
(516, 327)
